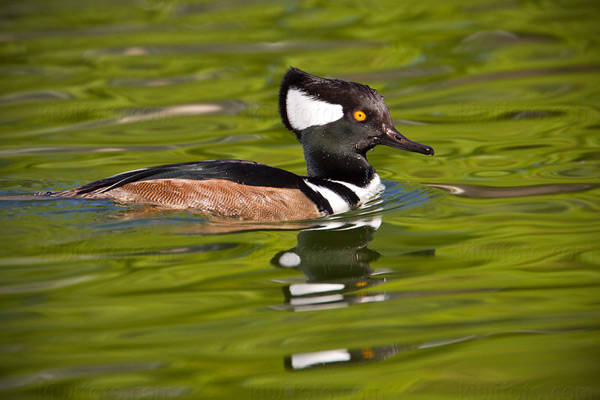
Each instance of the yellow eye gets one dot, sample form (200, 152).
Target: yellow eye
(360, 115)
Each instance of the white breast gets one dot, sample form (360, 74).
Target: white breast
(365, 193)
(337, 203)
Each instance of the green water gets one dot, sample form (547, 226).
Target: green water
(481, 282)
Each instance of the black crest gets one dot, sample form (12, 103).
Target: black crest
(349, 95)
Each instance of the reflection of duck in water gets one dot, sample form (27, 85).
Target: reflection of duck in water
(336, 263)
(344, 356)
(336, 121)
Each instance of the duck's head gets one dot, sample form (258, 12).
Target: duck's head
(335, 114)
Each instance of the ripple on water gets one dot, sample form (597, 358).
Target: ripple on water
(396, 198)
(39, 95)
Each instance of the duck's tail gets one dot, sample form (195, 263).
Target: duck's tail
(38, 196)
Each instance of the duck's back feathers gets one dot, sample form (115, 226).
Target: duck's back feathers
(243, 172)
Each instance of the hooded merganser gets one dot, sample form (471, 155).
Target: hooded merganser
(336, 122)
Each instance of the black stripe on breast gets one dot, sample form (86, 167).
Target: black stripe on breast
(343, 191)
(321, 202)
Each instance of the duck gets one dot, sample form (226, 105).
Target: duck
(337, 122)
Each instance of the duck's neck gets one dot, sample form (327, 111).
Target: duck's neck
(339, 163)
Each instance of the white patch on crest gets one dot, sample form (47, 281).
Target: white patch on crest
(303, 110)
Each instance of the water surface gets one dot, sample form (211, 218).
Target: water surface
(475, 275)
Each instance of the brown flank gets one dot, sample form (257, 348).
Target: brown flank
(216, 197)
